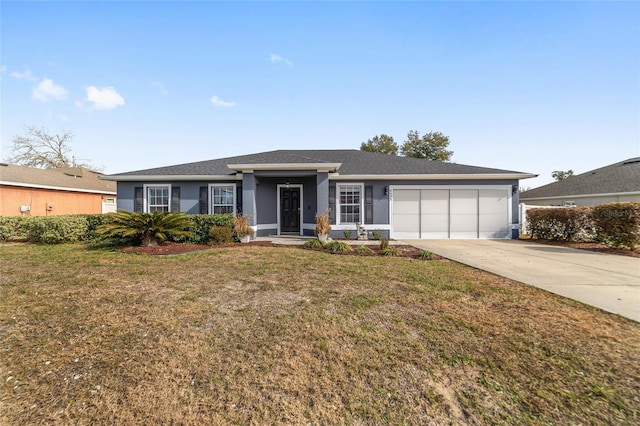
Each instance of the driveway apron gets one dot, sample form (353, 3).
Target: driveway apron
(606, 281)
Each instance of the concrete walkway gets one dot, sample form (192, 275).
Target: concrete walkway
(606, 281)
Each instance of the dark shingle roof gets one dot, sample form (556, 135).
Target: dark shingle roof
(354, 162)
(615, 178)
(76, 178)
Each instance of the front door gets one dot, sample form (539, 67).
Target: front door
(290, 210)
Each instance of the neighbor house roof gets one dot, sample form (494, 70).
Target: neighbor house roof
(618, 178)
(347, 163)
(76, 179)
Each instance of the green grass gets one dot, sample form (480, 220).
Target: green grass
(263, 335)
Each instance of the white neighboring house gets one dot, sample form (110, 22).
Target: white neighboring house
(614, 183)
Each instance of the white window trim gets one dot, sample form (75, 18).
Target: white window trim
(145, 193)
(338, 205)
(280, 186)
(235, 195)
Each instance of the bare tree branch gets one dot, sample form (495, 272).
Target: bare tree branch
(37, 148)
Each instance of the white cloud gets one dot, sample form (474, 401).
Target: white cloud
(26, 75)
(220, 103)
(278, 58)
(104, 98)
(48, 90)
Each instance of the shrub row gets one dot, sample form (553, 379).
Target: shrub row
(75, 228)
(50, 229)
(616, 224)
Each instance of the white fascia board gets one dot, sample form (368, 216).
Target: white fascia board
(423, 177)
(565, 197)
(56, 188)
(320, 167)
(172, 178)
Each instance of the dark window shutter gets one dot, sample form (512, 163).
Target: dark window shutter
(239, 199)
(368, 204)
(138, 202)
(175, 199)
(204, 200)
(332, 204)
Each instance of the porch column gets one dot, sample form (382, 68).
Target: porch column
(249, 198)
(322, 183)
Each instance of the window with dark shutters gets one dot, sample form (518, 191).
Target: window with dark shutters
(368, 204)
(204, 200)
(332, 204)
(175, 198)
(138, 200)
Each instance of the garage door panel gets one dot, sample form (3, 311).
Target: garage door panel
(434, 208)
(494, 213)
(406, 201)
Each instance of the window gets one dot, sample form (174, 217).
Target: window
(158, 197)
(223, 199)
(350, 203)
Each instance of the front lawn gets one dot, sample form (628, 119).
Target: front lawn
(279, 335)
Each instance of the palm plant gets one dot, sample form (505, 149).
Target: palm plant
(148, 229)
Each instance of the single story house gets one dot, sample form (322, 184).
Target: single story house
(609, 184)
(29, 191)
(281, 191)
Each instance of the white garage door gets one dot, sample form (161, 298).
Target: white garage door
(450, 213)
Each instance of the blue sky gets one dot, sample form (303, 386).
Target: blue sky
(533, 87)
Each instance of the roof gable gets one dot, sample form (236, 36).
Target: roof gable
(615, 178)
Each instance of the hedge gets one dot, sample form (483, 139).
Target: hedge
(616, 224)
(75, 228)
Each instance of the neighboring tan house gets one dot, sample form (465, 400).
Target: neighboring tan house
(609, 184)
(29, 191)
(281, 191)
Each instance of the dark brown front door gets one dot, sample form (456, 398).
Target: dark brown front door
(290, 209)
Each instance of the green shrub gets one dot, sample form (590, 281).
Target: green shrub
(11, 227)
(338, 246)
(376, 234)
(618, 224)
(391, 251)
(384, 243)
(346, 233)
(314, 244)
(201, 225)
(146, 228)
(220, 235)
(362, 249)
(425, 255)
(56, 229)
(562, 224)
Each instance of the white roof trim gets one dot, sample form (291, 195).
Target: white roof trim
(156, 178)
(320, 167)
(57, 188)
(457, 176)
(568, 197)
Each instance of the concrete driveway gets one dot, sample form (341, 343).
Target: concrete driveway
(606, 281)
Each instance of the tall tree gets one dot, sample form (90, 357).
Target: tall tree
(384, 144)
(431, 146)
(561, 175)
(38, 148)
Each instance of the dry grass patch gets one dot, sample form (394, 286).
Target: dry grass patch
(263, 335)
